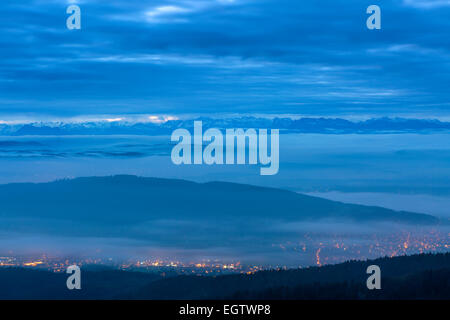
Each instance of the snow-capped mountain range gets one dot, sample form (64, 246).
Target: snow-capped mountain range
(286, 125)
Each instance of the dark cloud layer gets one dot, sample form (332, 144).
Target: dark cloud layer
(224, 56)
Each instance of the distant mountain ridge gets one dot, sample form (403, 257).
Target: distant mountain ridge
(125, 200)
(302, 125)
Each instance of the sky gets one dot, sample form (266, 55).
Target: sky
(178, 57)
(152, 59)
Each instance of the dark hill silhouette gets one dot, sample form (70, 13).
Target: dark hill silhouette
(346, 280)
(130, 199)
(19, 283)
(425, 276)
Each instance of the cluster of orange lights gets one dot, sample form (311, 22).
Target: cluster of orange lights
(32, 264)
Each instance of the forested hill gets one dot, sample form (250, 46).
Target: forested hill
(425, 276)
(406, 277)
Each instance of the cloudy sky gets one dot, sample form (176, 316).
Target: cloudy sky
(224, 57)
